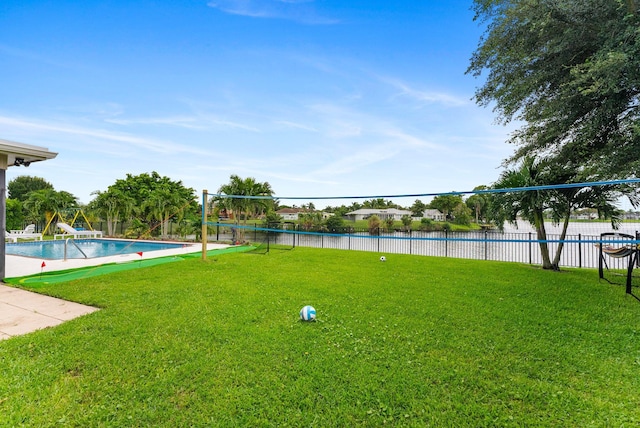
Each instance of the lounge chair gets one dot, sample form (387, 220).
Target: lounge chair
(28, 232)
(70, 232)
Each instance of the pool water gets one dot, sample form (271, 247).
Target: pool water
(54, 250)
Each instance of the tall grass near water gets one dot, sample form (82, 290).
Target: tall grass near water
(413, 341)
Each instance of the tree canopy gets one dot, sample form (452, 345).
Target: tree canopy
(245, 206)
(570, 71)
(20, 187)
(151, 198)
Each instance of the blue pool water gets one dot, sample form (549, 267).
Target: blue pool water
(54, 250)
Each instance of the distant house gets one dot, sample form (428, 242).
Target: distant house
(383, 214)
(290, 213)
(631, 215)
(587, 216)
(434, 215)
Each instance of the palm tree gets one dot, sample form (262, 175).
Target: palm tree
(113, 205)
(46, 202)
(242, 199)
(478, 202)
(531, 205)
(162, 204)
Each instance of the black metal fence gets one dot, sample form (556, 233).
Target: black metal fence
(578, 250)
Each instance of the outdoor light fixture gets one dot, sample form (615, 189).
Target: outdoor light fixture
(21, 161)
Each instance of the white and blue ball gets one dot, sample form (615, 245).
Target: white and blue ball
(383, 259)
(308, 313)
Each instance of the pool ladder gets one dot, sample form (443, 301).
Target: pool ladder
(73, 241)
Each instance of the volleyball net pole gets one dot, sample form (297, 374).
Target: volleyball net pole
(204, 224)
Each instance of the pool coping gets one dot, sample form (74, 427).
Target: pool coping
(18, 266)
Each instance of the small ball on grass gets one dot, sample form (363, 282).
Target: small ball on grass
(308, 313)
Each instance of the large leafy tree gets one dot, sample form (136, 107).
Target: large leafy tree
(156, 200)
(418, 207)
(446, 203)
(15, 216)
(20, 187)
(569, 70)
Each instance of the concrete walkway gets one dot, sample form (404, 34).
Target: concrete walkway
(22, 312)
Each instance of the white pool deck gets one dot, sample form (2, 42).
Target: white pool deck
(23, 312)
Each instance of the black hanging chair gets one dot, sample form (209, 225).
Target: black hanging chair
(618, 251)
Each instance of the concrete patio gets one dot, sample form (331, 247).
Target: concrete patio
(23, 312)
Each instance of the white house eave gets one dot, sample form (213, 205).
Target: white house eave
(23, 153)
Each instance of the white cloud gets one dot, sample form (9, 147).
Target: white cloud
(195, 123)
(425, 97)
(182, 122)
(361, 158)
(90, 134)
(292, 10)
(294, 125)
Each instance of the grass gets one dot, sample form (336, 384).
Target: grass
(416, 341)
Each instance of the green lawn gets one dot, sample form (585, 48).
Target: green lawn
(415, 341)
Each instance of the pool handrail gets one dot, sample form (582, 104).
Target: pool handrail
(73, 241)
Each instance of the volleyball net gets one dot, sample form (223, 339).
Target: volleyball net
(571, 223)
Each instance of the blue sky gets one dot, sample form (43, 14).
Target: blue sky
(319, 98)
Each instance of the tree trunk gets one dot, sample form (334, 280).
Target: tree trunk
(110, 226)
(565, 226)
(542, 240)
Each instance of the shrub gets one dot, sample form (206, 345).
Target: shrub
(389, 223)
(272, 220)
(426, 224)
(137, 229)
(334, 223)
(374, 225)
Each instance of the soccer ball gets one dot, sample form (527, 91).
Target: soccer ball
(383, 259)
(308, 313)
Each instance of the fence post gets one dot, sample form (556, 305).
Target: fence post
(530, 259)
(410, 241)
(486, 244)
(446, 242)
(579, 250)
(204, 227)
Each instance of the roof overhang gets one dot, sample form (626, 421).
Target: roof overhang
(22, 154)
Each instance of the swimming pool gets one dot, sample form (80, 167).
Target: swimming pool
(54, 250)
